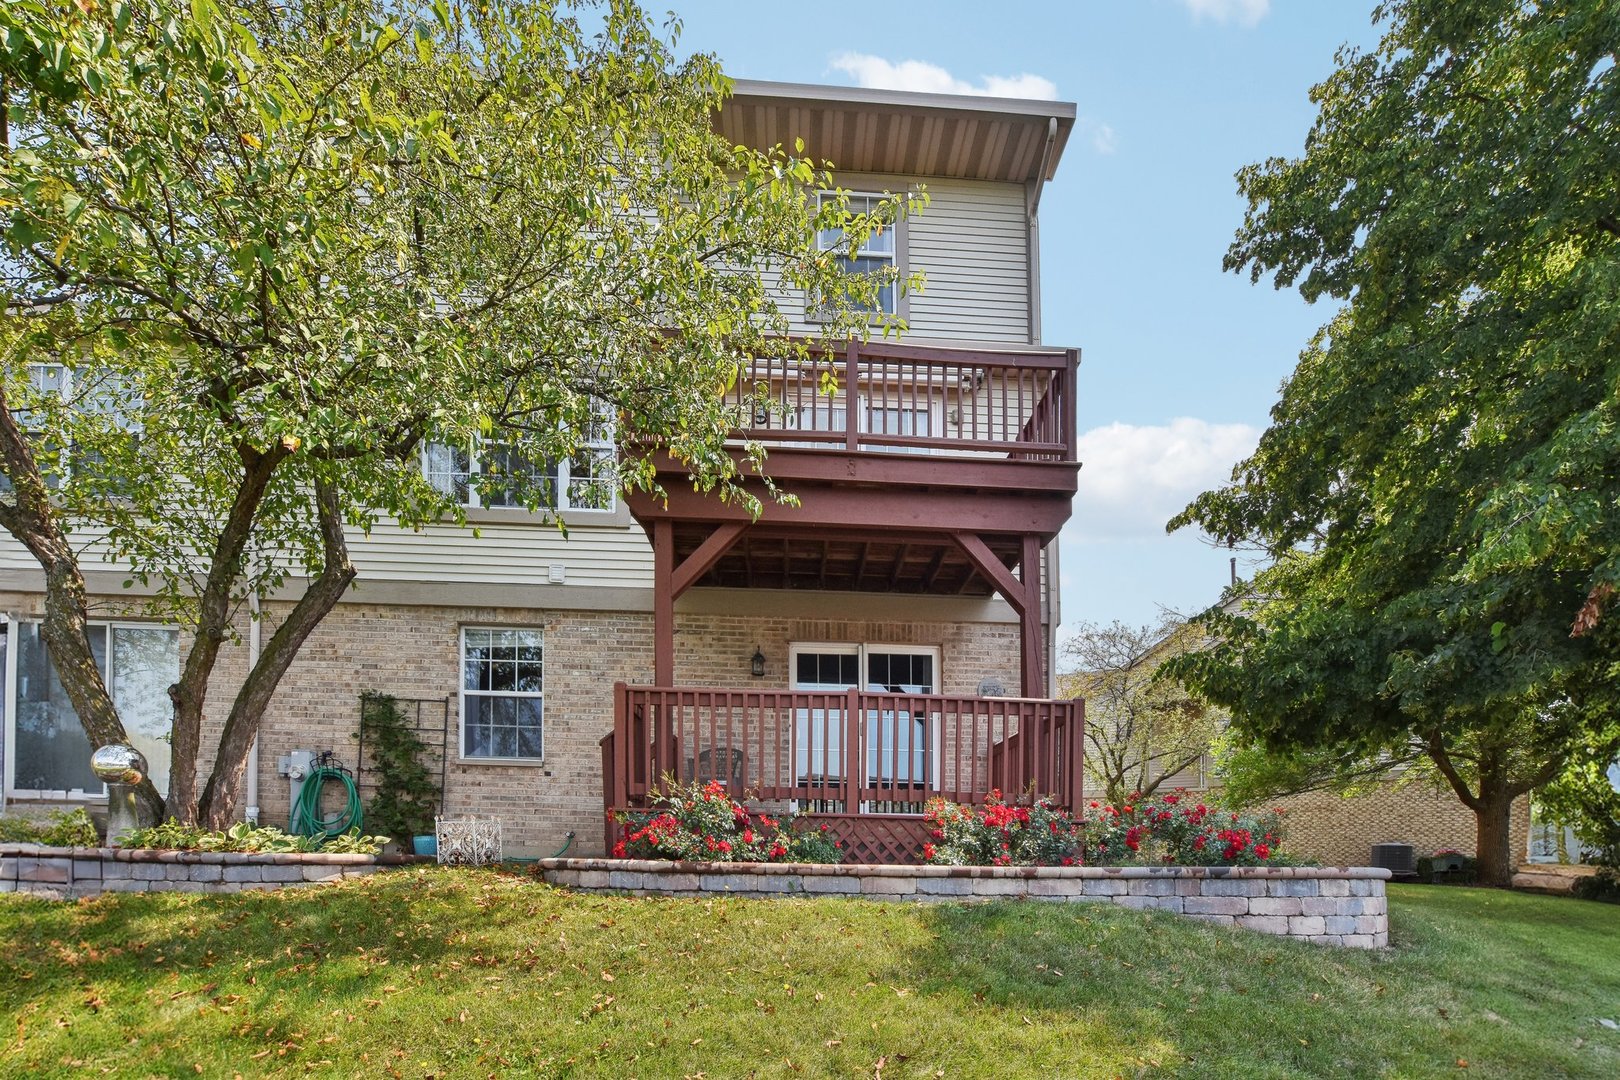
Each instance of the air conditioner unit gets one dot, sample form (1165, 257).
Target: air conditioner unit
(1399, 859)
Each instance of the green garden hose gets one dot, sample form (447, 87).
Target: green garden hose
(306, 819)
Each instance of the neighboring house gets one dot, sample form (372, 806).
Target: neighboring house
(1323, 826)
(788, 655)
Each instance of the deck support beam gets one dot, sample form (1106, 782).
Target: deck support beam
(663, 603)
(1023, 593)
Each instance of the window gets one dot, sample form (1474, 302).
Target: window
(100, 394)
(877, 255)
(501, 699)
(896, 742)
(48, 751)
(493, 473)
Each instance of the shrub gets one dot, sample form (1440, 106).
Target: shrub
(407, 795)
(64, 828)
(243, 837)
(1603, 885)
(1173, 829)
(1001, 835)
(694, 823)
(1176, 829)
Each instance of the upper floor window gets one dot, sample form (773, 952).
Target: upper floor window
(494, 473)
(101, 398)
(879, 254)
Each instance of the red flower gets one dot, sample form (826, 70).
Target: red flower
(777, 850)
(619, 850)
(1262, 851)
(748, 836)
(928, 851)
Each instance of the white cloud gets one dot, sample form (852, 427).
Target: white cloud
(1243, 12)
(1103, 139)
(1137, 477)
(876, 73)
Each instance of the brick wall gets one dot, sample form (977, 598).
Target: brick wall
(412, 651)
(1337, 831)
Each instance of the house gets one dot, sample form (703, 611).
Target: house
(1153, 738)
(887, 638)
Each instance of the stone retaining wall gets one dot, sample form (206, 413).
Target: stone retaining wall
(68, 873)
(1341, 905)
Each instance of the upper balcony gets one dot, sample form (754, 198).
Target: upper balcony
(902, 438)
(916, 469)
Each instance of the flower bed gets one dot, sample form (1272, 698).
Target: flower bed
(1171, 830)
(690, 821)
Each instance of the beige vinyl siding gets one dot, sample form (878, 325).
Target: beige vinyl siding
(972, 245)
(515, 554)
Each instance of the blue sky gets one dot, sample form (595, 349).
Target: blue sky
(1181, 362)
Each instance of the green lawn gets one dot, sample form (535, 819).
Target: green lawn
(441, 973)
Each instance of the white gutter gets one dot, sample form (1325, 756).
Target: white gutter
(252, 811)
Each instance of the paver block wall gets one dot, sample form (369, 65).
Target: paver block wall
(73, 873)
(1343, 906)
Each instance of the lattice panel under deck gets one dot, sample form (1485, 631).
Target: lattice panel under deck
(875, 838)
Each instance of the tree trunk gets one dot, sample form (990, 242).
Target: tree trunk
(219, 797)
(225, 570)
(1493, 816)
(31, 518)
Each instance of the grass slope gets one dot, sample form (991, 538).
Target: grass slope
(475, 974)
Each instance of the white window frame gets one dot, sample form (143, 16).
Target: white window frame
(74, 795)
(463, 694)
(897, 301)
(601, 447)
(861, 650)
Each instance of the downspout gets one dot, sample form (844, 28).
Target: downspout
(252, 811)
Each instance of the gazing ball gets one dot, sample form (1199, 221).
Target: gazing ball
(118, 764)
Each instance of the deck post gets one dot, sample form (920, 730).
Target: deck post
(852, 416)
(854, 727)
(1031, 639)
(664, 603)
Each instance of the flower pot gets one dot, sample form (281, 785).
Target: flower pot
(425, 845)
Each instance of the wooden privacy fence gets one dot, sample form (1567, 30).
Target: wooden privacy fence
(848, 753)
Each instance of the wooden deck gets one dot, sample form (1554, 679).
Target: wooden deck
(864, 763)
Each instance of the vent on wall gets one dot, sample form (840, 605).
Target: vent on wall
(1398, 859)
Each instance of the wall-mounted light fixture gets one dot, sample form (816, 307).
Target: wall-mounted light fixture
(757, 663)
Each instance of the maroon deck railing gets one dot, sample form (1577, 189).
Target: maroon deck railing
(916, 399)
(847, 753)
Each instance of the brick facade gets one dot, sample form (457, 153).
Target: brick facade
(413, 652)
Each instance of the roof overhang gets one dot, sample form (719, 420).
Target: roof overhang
(900, 132)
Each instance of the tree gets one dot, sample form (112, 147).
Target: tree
(1141, 727)
(280, 247)
(1437, 488)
